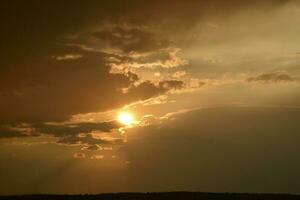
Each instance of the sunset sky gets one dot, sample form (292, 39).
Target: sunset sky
(148, 96)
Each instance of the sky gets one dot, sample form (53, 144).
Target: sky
(147, 96)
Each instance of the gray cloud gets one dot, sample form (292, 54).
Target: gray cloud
(79, 155)
(31, 25)
(171, 84)
(7, 132)
(130, 39)
(147, 89)
(46, 89)
(80, 133)
(272, 77)
(67, 134)
(75, 129)
(88, 141)
(251, 148)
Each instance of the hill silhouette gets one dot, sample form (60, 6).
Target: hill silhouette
(158, 196)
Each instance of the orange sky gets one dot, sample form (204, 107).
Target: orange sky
(210, 92)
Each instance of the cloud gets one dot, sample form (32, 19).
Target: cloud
(97, 157)
(7, 131)
(68, 134)
(195, 83)
(42, 79)
(75, 129)
(273, 77)
(149, 120)
(130, 39)
(39, 27)
(171, 84)
(82, 133)
(45, 89)
(88, 141)
(179, 74)
(68, 57)
(79, 155)
(95, 147)
(147, 89)
(34, 87)
(162, 59)
(226, 141)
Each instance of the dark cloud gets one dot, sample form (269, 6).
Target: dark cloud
(89, 141)
(8, 132)
(47, 89)
(79, 155)
(29, 27)
(95, 147)
(75, 129)
(131, 39)
(249, 147)
(80, 133)
(67, 134)
(147, 89)
(19, 130)
(41, 80)
(272, 77)
(171, 84)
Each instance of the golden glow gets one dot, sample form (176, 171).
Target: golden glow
(125, 118)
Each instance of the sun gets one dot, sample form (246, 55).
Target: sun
(125, 118)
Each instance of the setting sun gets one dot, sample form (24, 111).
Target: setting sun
(125, 118)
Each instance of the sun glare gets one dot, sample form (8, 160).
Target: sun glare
(125, 118)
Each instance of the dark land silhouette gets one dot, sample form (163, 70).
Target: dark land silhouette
(159, 196)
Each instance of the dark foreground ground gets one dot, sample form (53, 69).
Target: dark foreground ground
(160, 196)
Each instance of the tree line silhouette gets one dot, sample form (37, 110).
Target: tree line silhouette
(157, 196)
